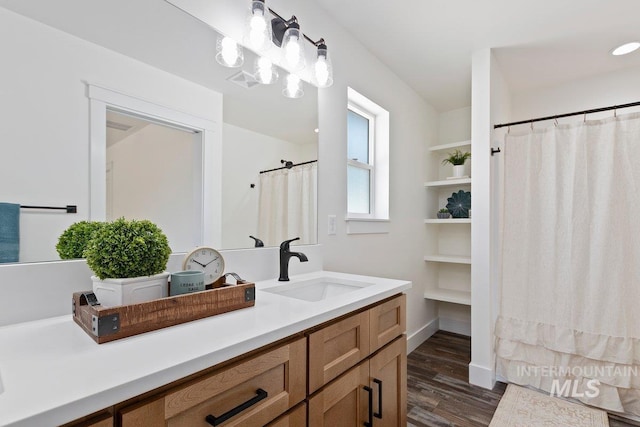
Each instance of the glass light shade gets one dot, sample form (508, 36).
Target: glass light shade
(292, 87)
(228, 52)
(293, 49)
(258, 30)
(323, 69)
(265, 72)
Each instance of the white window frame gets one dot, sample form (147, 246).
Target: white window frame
(377, 221)
(370, 165)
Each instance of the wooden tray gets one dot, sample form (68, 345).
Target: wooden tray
(105, 324)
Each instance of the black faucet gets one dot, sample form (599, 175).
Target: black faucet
(259, 243)
(285, 255)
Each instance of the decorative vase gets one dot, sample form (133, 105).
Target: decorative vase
(458, 171)
(443, 215)
(114, 292)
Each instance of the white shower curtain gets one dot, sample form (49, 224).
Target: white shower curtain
(570, 288)
(288, 205)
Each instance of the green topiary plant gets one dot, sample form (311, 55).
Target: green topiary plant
(73, 241)
(123, 249)
(444, 211)
(457, 158)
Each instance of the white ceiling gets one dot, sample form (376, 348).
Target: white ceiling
(429, 43)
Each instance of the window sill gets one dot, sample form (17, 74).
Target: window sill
(367, 225)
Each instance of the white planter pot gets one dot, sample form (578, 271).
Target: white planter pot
(458, 171)
(113, 292)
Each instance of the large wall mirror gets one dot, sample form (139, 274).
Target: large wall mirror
(148, 167)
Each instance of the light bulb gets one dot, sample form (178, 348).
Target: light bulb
(258, 35)
(265, 73)
(323, 70)
(292, 47)
(292, 87)
(229, 53)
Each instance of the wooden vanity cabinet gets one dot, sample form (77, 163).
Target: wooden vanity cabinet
(373, 393)
(351, 371)
(252, 392)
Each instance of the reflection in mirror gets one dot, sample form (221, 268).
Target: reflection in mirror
(50, 55)
(152, 173)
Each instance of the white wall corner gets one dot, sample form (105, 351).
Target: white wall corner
(456, 326)
(421, 335)
(482, 376)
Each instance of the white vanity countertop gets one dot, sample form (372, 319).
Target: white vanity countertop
(52, 372)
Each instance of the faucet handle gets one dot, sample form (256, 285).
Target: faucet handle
(259, 243)
(285, 245)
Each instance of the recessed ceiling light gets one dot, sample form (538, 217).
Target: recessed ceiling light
(625, 48)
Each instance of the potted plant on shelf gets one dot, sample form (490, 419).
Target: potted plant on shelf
(128, 259)
(444, 213)
(457, 158)
(73, 241)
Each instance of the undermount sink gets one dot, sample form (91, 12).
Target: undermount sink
(318, 289)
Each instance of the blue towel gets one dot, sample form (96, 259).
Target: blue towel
(9, 232)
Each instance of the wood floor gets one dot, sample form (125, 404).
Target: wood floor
(439, 392)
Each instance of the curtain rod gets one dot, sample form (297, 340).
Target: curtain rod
(288, 165)
(577, 113)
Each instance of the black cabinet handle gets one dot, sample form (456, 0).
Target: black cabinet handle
(379, 413)
(214, 421)
(369, 390)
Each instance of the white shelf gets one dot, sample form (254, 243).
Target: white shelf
(448, 183)
(448, 258)
(450, 145)
(448, 295)
(448, 221)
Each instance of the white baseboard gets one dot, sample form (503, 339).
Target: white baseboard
(481, 376)
(423, 334)
(456, 326)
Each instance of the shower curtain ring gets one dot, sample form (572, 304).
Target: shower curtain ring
(615, 112)
(584, 120)
(508, 130)
(531, 125)
(555, 121)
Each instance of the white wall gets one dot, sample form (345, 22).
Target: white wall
(45, 127)
(604, 90)
(154, 177)
(245, 154)
(490, 101)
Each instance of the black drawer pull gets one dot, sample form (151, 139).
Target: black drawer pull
(214, 421)
(369, 390)
(379, 413)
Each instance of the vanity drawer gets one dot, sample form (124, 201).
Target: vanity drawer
(387, 322)
(336, 348)
(251, 393)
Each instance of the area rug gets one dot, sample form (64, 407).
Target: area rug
(521, 407)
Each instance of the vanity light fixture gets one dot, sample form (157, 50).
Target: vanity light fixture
(265, 72)
(258, 34)
(228, 52)
(292, 86)
(286, 34)
(625, 48)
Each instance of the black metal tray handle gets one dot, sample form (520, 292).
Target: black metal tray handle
(379, 413)
(215, 421)
(369, 391)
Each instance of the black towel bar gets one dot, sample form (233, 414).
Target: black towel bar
(68, 208)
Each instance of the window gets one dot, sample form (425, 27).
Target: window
(367, 164)
(360, 161)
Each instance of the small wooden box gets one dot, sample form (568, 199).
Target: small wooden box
(105, 324)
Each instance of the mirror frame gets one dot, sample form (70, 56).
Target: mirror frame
(210, 208)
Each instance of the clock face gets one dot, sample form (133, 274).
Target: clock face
(205, 259)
